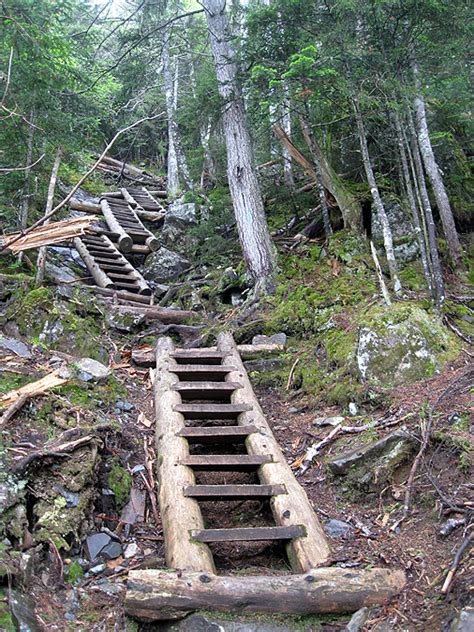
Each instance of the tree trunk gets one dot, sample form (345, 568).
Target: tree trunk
(247, 200)
(41, 261)
(286, 125)
(426, 205)
(309, 137)
(25, 204)
(412, 202)
(433, 172)
(387, 231)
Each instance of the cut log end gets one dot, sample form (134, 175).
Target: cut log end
(155, 595)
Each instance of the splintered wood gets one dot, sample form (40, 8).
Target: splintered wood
(33, 388)
(54, 233)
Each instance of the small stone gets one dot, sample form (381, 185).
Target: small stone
(358, 620)
(89, 370)
(138, 468)
(69, 616)
(125, 406)
(96, 570)
(111, 550)
(130, 550)
(454, 418)
(293, 410)
(353, 410)
(464, 622)
(276, 339)
(337, 528)
(15, 346)
(450, 525)
(95, 543)
(328, 421)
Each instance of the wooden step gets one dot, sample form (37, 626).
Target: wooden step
(226, 462)
(249, 534)
(115, 275)
(212, 411)
(211, 372)
(197, 356)
(216, 434)
(206, 390)
(233, 492)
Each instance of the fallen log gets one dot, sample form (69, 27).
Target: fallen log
(85, 207)
(122, 294)
(164, 314)
(146, 357)
(156, 595)
(124, 165)
(33, 388)
(53, 233)
(156, 192)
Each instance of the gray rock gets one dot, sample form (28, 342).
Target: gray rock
(328, 421)
(180, 216)
(125, 406)
(96, 570)
(89, 370)
(23, 612)
(353, 410)
(464, 622)
(111, 550)
(276, 339)
(72, 498)
(12, 345)
(451, 525)
(124, 322)
(374, 464)
(164, 265)
(402, 345)
(60, 274)
(337, 528)
(205, 623)
(95, 543)
(107, 587)
(272, 364)
(358, 620)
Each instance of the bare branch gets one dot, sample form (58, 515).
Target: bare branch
(9, 169)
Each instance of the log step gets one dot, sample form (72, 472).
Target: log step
(198, 356)
(233, 492)
(212, 372)
(226, 462)
(212, 411)
(216, 434)
(206, 390)
(249, 534)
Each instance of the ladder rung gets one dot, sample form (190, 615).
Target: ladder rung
(211, 372)
(216, 434)
(212, 411)
(198, 356)
(249, 534)
(226, 462)
(233, 492)
(204, 390)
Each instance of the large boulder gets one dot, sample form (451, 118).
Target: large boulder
(164, 265)
(400, 345)
(180, 217)
(405, 243)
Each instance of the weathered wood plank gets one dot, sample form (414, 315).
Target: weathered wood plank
(225, 462)
(206, 390)
(233, 492)
(216, 434)
(248, 534)
(212, 411)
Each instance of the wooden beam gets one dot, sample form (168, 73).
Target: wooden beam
(146, 357)
(125, 242)
(178, 512)
(96, 271)
(306, 552)
(164, 314)
(248, 534)
(156, 595)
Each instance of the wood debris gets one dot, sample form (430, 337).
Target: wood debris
(33, 388)
(54, 233)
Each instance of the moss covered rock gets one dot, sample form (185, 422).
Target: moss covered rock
(401, 345)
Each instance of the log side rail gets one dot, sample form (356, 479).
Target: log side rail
(125, 224)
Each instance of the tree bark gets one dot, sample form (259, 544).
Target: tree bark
(154, 595)
(387, 231)
(41, 261)
(172, 182)
(286, 125)
(310, 140)
(425, 200)
(412, 202)
(247, 200)
(433, 172)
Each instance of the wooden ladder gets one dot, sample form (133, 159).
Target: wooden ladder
(203, 397)
(126, 227)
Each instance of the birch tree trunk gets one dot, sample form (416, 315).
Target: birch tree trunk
(286, 125)
(244, 187)
(433, 172)
(41, 261)
(374, 190)
(426, 205)
(25, 203)
(412, 202)
(309, 137)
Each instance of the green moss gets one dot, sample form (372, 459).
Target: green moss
(6, 621)
(412, 277)
(461, 444)
(74, 572)
(11, 381)
(120, 482)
